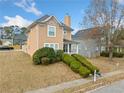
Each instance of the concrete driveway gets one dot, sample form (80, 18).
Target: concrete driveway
(117, 87)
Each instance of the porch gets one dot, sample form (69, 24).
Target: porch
(70, 47)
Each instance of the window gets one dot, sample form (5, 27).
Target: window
(52, 46)
(46, 45)
(51, 31)
(65, 32)
(55, 46)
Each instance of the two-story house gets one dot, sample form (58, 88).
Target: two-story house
(49, 32)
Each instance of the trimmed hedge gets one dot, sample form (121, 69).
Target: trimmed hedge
(68, 59)
(115, 54)
(84, 72)
(85, 62)
(75, 65)
(44, 52)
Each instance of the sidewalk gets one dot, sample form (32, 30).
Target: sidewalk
(70, 84)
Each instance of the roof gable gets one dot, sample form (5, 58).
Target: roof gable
(45, 19)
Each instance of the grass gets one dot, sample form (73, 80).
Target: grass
(105, 65)
(18, 74)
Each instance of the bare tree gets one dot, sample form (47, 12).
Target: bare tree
(0, 42)
(107, 15)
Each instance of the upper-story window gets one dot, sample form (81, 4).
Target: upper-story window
(65, 32)
(51, 31)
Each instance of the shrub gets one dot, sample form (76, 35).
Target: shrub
(120, 55)
(85, 62)
(51, 55)
(37, 58)
(115, 54)
(104, 54)
(68, 59)
(45, 60)
(59, 55)
(75, 65)
(44, 52)
(84, 72)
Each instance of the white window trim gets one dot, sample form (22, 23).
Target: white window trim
(54, 45)
(48, 30)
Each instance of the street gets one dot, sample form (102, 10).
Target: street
(117, 87)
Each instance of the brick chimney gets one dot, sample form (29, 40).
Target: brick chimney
(67, 20)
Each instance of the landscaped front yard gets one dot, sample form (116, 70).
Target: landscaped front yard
(18, 74)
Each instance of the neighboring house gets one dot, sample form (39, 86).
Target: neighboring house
(49, 32)
(19, 39)
(89, 42)
(12, 35)
(7, 42)
(119, 47)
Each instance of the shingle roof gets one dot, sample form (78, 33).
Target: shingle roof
(45, 17)
(87, 33)
(20, 37)
(66, 27)
(70, 41)
(38, 21)
(42, 18)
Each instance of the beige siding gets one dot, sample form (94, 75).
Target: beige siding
(68, 35)
(39, 35)
(32, 43)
